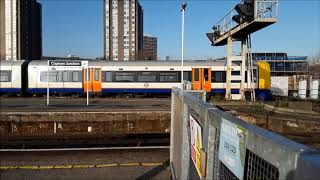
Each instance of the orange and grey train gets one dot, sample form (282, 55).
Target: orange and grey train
(113, 77)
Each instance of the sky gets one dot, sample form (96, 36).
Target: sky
(76, 27)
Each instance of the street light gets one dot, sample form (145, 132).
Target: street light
(183, 9)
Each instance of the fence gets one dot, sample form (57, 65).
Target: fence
(207, 143)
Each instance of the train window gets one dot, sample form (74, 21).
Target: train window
(125, 76)
(235, 73)
(168, 76)
(65, 76)
(76, 76)
(43, 76)
(219, 76)
(96, 74)
(206, 74)
(54, 76)
(187, 75)
(196, 74)
(147, 77)
(5, 76)
(255, 75)
(235, 81)
(87, 75)
(107, 76)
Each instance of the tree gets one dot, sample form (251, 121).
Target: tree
(315, 59)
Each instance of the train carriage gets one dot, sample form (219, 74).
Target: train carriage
(61, 81)
(11, 76)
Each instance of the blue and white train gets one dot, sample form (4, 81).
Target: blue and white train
(106, 77)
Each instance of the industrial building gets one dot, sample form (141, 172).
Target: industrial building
(290, 75)
(20, 30)
(282, 65)
(123, 30)
(149, 47)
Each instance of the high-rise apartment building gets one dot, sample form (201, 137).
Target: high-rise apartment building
(149, 47)
(20, 30)
(123, 30)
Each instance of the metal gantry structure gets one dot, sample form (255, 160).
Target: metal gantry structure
(244, 19)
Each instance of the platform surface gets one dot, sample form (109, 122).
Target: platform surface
(100, 164)
(36, 104)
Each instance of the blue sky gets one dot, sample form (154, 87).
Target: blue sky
(76, 27)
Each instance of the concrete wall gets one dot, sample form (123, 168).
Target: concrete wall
(64, 124)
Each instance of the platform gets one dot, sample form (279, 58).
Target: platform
(37, 104)
(103, 164)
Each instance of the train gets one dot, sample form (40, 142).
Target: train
(136, 77)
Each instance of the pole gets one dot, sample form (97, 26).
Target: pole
(48, 83)
(229, 63)
(184, 5)
(87, 83)
(243, 66)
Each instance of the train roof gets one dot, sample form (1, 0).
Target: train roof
(144, 63)
(11, 63)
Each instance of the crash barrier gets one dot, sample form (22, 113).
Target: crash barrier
(207, 143)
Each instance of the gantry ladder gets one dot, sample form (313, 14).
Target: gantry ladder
(250, 70)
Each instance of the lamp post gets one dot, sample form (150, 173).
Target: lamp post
(183, 9)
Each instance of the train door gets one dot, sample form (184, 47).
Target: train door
(201, 79)
(96, 81)
(196, 79)
(93, 83)
(206, 83)
(87, 82)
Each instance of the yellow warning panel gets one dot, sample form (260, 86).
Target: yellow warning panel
(264, 75)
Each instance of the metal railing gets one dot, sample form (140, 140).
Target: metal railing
(253, 153)
(263, 9)
(266, 9)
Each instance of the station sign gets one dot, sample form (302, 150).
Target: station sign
(198, 156)
(63, 66)
(232, 149)
(67, 65)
